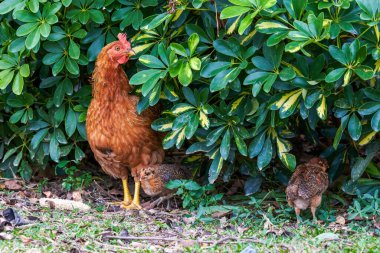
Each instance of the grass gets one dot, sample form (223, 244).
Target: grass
(63, 231)
(266, 221)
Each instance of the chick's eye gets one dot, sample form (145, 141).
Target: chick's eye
(117, 48)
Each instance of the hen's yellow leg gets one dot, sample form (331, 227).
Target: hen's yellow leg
(127, 195)
(135, 205)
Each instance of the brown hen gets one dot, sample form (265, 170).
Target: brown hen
(307, 184)
(154, 179)
(121, 139)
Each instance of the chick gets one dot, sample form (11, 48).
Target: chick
(154, 178)
(306, 186)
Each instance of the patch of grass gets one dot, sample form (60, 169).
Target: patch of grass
(62, 231)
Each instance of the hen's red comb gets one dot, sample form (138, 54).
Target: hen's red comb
(122, 37)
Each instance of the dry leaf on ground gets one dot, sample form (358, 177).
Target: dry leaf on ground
(12, 185)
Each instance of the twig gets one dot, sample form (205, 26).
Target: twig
(223, 240)
(154, 238)
(216, 19)
(148, 238)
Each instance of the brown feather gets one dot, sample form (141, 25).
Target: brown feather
(120, 138)
(309, 181)
(154, 178)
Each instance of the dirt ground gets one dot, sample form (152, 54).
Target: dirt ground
(108, 228)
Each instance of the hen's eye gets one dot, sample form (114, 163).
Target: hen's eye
(117, 48)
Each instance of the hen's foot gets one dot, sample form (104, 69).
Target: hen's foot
(120, 203)
(132, 206)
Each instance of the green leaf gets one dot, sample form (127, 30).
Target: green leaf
(25, 170)
(16, 116)
(230, 47)
(369, 108)
(221, 80)
(354, 127)
(71, 66)
(59, 95)
(178, 49)
(181, 108)
(295, 7)
(265, 4)
(212, 69)
(265, 155)
(70, 122)
(150, 84)
(26, 16)
(9, 153)
(233, 11)
(225, 145)
(288, 108)
(18, 84)
(156, 21)
(8, 5)
(192, 126)
(26, 29)
(8, 76)
(17, 160)
(338, 55)
(240, 143)
(151, 62)
(195, 63)
(252, 185)
(162, 125)
(215, 168)
(270, 26)
(66, 3)
(256, 145)
(143, 76)
(45, 29)
(276, 38)
(79, 154)
(51, 58)
(54, 150)
(97, 16)
(38, 137)
(58, 66)
(193, 42)
(287, 74)
(334, 75)
(375, 121)
(204, 120)
(364, 72)
(246, 22)
(339, 132)
(185, 74)
(322, 108)
(32, 39)
(24, 70)
(74, 50)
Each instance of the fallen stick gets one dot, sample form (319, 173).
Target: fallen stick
(154, 238)
(64, 204)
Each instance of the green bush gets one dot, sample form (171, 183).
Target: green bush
(241, 81)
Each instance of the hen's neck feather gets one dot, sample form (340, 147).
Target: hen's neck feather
(109, 79)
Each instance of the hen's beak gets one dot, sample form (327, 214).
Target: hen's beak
(130, 52)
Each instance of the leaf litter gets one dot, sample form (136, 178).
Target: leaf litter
(108, 228)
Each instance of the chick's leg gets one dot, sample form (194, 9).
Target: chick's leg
(298, 212)
(314, 203)
(135, 205)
